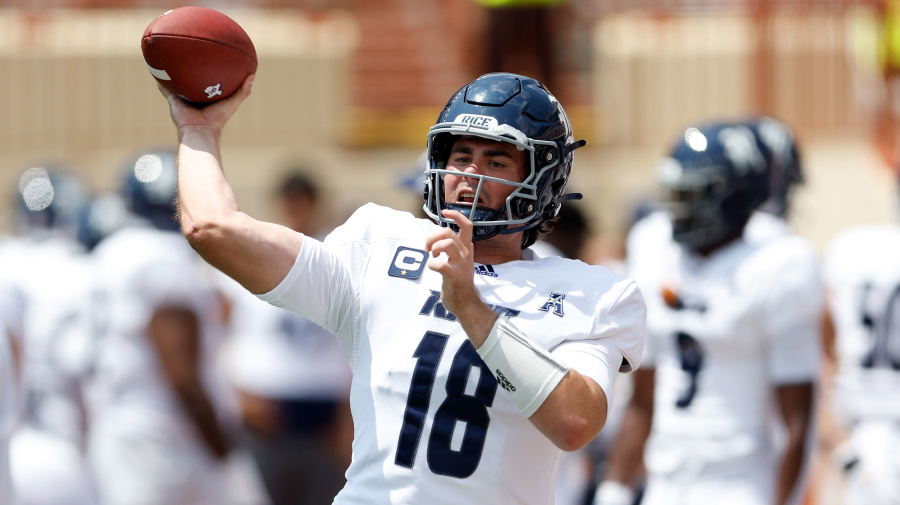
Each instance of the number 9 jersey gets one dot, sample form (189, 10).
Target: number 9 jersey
(723, 331)
(432, 424)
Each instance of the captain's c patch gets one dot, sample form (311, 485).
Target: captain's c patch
(408, 263)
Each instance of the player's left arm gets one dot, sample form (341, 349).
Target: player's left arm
(794, 321)
(796, 404)
(568, 407)
(574, 413)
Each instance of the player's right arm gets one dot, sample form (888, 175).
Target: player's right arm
(256, 254)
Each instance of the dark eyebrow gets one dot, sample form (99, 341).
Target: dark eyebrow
(461, 149)
(497, 152)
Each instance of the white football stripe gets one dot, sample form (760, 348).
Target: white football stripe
(159, 74)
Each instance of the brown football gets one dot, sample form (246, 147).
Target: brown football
(197, 53)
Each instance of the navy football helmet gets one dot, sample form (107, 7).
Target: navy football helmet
(150, 188)
(50, 198)
(100, 218)
(785, 170)
(506, 108)
(712, 181)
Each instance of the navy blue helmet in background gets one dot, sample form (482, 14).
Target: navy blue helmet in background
(150, 187)
(714, 178)
(50, 198)
(785, 167)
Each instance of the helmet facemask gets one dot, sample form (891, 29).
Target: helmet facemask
(522, 208)
(518, 110)
(694, 200)
(715, 178)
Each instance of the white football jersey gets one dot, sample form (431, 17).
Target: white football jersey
(12, 287)
(545, 250)
(139, 270)
(12, 304)
(51, 322)
(763, 227)
(56, 334)
(12, 309)
(142, 446)
(276, 353)
(862, 273)
(431, 422)
(8, 409)
(722, 332)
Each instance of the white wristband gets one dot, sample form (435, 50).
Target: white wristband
(528, 373)
(610, 492)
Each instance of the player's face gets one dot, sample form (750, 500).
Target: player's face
(490, 158)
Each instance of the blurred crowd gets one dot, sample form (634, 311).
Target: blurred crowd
(133, 373)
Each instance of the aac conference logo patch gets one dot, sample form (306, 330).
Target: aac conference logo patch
(408, 263)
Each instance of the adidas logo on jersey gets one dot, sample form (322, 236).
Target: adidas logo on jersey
(504, 382)
(486, 270)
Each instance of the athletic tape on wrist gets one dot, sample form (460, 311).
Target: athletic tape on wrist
(528, 373)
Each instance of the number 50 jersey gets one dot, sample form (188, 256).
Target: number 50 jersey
(862, 271)
(432, 424)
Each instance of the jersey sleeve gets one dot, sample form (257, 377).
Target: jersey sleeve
(625, 323)
(794, 313)
(616, 342)
(599, 360)
(324, 283)
(318, 287)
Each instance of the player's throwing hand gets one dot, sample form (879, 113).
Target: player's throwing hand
(215, 115)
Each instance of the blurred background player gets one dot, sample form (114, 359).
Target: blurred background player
(12, 303)
(47, 458)
(779, 147)
(785, 173)
(292, 378)
(157, 400)
(12, 308)
(732, 338)
(862, 275)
